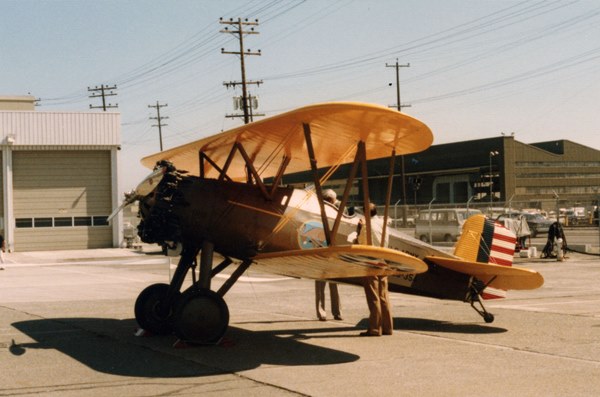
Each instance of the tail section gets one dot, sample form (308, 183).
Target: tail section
(485, 253)
(485, 241)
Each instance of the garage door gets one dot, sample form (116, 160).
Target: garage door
(61, 200)
(2, 232)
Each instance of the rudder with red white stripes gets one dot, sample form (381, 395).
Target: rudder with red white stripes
(482, 240)
(485, 241)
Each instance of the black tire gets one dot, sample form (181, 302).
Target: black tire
(424, 238)
(147, 313)
(200, 316)
(488, 318)
(448, 238)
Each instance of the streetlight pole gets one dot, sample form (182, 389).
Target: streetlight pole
(492, 154)
(429, 213)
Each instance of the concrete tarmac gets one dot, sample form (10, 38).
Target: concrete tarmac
(67, 329)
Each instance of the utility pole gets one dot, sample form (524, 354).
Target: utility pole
(103, 93)
(399, 107)
(159, 119)
(240, 32)
(399, 104)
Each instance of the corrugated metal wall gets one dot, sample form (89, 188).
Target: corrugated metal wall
(52, 186)
(2, 224)
(60, 128)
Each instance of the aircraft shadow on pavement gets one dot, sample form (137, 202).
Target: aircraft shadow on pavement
(421, 324)
(109, 346)
(400, 324)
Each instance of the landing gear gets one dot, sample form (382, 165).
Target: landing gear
(487, 316)
(475, 297)
(153, 311)
(197, 315)
(200, 316)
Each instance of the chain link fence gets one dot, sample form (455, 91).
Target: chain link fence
(572, 214)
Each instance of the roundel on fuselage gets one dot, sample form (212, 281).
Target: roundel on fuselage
(311, 235)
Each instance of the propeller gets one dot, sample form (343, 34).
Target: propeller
(144, 188)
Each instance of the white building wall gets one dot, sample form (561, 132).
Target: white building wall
(23, 130)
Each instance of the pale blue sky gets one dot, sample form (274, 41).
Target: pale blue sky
(477, 68)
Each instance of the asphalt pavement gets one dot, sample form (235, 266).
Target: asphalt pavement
(67, 329)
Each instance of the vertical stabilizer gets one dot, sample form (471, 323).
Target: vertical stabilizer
(484, 241)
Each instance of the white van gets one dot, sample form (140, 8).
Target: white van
(442, 224)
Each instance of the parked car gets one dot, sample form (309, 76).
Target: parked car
(569, 217)
(442, 224)
(536, 222)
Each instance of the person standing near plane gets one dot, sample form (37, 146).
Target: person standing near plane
(376, 287)
(336, 308)
(2, 249)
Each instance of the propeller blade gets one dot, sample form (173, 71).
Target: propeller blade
(144, 188)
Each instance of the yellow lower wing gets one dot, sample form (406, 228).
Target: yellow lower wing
(339, 262)
(504, 277)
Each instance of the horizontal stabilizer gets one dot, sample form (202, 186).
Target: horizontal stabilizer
(504, 277)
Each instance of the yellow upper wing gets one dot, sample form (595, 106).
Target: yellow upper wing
(339, 262)
(335, 130)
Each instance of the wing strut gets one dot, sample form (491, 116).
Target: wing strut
(365, 184)
(253, 175)
(286, 160)
(360, 158)
(222, 174)
(349, 183)
(388, 197)
(227, 162)
(252, 171)
(313, 167)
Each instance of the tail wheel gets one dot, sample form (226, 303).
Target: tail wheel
(488, 317)
(200, 316)
(149, 313)
(475, 298)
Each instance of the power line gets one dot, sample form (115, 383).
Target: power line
(480, 26)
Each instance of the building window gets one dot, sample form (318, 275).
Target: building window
(442, 192)
(23, 222)
(83, 221)
(100, 220)
(42, 222)
(461, 192)
(559, 165)
(63, 222)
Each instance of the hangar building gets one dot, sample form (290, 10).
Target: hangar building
(59, 177)
(499, 170)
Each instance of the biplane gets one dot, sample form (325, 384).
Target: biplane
(224, 194)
